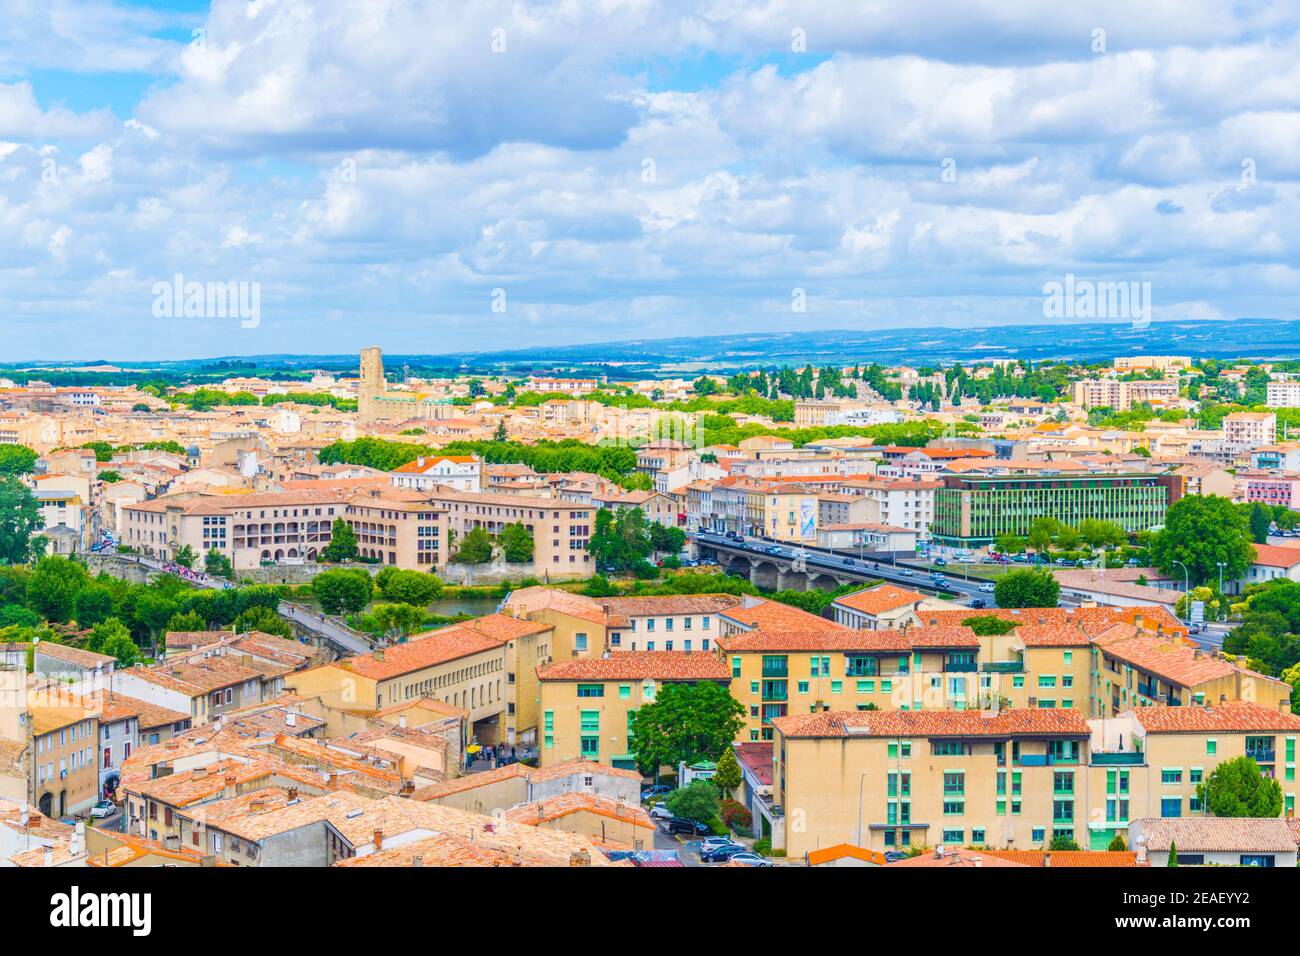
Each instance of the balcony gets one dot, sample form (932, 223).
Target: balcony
(960, 667)
(1263, 756)
(1148, 690)
(1130, 758)
(1003, 667)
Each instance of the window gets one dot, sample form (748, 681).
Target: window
(1171, 775)
(735, 667)
(624, 692)
(1211, 747)
(591, 690)
(1038, 834)
(1171, 807)
(580, 642)
(977, 836)
(954, 836)
(837, 686)
(590, 721)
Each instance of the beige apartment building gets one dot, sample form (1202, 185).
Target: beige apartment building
(587, 705)
(1250, 429)
(1014, 780)
(64, 758)
(475, 665)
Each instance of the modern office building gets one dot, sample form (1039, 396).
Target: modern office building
(972, 510)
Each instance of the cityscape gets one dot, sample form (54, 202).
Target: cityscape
(725, 439)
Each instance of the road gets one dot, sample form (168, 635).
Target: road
(856, 567)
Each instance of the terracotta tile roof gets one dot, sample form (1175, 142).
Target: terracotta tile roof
(439, 850)
(540, 598)
(1052, 635)
(775, 616)
(881, 598)
(48, 719)
(1028, 615)
(579, 766)
(196, 677)
(957, 857)
(1216, 834)
(658, 605)
(566, 804)
(922, 638)
(841, 850)
(114, 707)
(521, 771)
(1232, 717)
(640, 665)
(1067, 858)
(1174, 662)
(1276, 556)
(757, 759)
(420, 652)
(842, 639)
(87, 660)
(935, 723)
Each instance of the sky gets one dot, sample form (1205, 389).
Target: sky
(436, 176)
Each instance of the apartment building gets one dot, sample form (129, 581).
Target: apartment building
(474, 665)
(1123, 395)
(670, 622)
(1248, 430)
(883, 607)
(461, 472)
(902, 503)
(202, 689)
(561, 529)
(1161, 363)
(1283, 394)
(64, 774)
(1013, 780)
(587, 705)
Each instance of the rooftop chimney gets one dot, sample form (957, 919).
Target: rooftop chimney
(379, 839)
(379, 653)
(417, 860)
(290, 719)
(579, 858)
(49, 856)
(293, 793)
(401, 721)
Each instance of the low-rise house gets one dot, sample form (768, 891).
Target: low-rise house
(1213, 841)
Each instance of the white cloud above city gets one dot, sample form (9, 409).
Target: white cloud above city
(624, 169)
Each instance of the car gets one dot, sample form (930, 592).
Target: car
(721, 854)
(978, 602)
(750, 859)
(893, 856)
(692, 827)
(1063, 561)
(1131, 562)
(849, 561)
(713, 842)
(905, 572)
(987, 588)
(1020, 558)
(941, 562)
(655, 790)
(104, 808)
(660, 812)
(1194, 628)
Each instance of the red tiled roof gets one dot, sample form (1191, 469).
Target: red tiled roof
(935, 723)
(640, 665)
(1236, 716)
(881, 598)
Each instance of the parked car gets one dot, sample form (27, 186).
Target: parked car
(713, 842)
(988, 588)
(978, 602)
(893, 856)
(721, 854)
(660, 812)
(750, 859)
(691, 827)
(654, 790)
(105, 808)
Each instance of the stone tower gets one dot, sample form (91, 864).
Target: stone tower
(372, 383)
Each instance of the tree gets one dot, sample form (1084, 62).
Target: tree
(1010, 544)
(16, 460)
(218, 565)
(1101, 534)
(475, 547)
(500, 433)
(112, 637)
(1041, 533)
(1117, 845)
(1261, 518)
(20, 519)
(696, 801)
(53, 587)
(1237, 788)
(151, 613)
(184, 556)
(1173, 854)
(262, 619)
(1200, 532)
(666, 539)
(1027, 587)
(92, 605)
(1064, 843)
(398, 620)
(185, 621)
(727, 778)
(408, 587)
(686, 722)
(989, 624)
(343, 543)
(516, 543)
(342, 589)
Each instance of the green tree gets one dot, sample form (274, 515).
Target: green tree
(1261, 518)
(1101, 534)
(1010, 544)
(92, 604)
(1065, 843)
(1200, 532)
(686, 722)
(16, 460)
(475, 547)
(727, 778)
(218, 565)
(342, 589)
(183, 621)
(1172, 859)
(516, 543)
(20, 519)
(53, 588)
(1237, 788)
(989, 624)
(262, 619)
(696, 801)
(407, 586)
(343, 543)
(1117, 845)
(111, 637)
(666, 539)
(184, 556)
(1042, 532)
(1027, 587)
(398, 620)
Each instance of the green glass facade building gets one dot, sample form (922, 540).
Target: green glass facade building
(972, 510)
